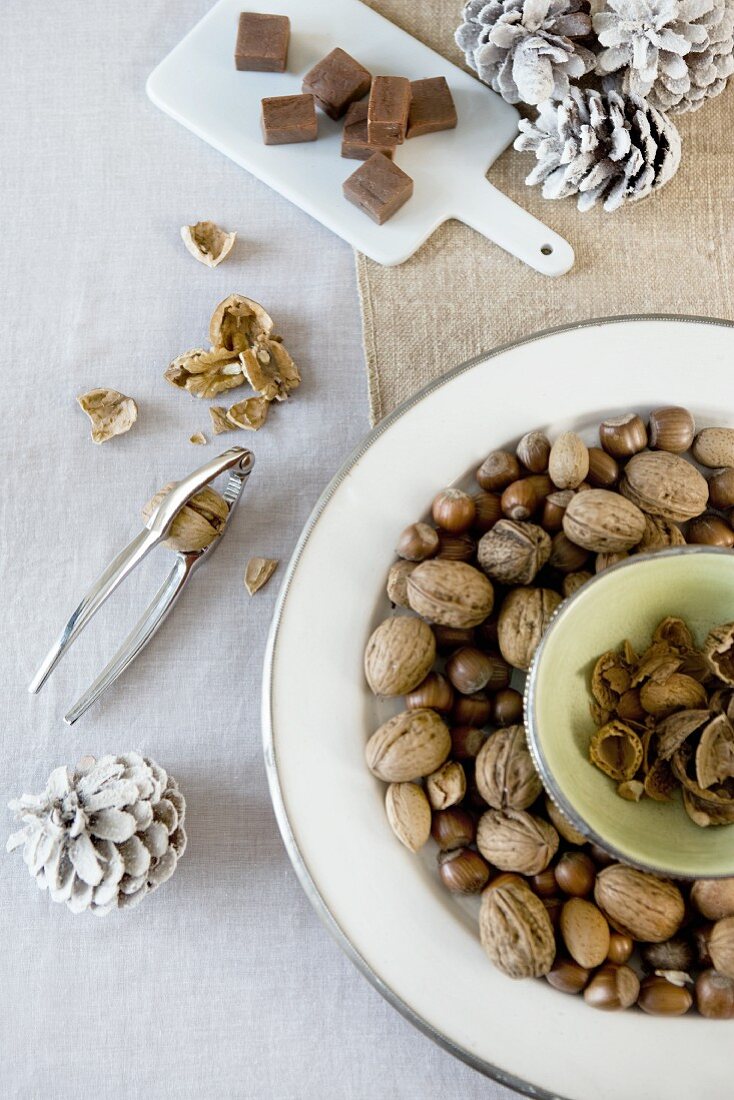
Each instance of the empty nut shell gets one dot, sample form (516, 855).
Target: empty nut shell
(678, 692)
(612, 988)
(671, 429)
(399, 655)
(714, 447)
(718, 649)
(622, 436)
(446, 786)
(616, 750)
(463, 871)
(417, 542)
(499, 469)
(603, 521)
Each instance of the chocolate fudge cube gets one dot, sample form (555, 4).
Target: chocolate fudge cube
(378, 187)
(289, 118)
(389, 107)
(431, 107)
(262, 42)
(336, 81)
(355, 143)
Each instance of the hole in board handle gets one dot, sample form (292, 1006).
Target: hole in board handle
(547, 249)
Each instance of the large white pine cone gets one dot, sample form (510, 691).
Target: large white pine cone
(527, 50)
(600, 146)
(104, 835)
(674, 53)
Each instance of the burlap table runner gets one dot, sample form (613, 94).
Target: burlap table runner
(461, 295)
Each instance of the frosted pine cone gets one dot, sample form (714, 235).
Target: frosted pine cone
(527, 51)
(601, 146)
(104, 835)
(674, 53)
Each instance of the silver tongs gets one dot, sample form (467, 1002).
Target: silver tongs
(240, 462)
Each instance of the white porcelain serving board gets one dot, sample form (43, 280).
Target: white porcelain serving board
(198, 85)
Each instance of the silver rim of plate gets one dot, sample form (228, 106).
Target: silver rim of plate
(521, 1085)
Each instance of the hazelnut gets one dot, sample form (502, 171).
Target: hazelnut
(533, 451)
(622, 436)
(450, 637)
(620, 948)
(672, 954)
(435, 692)
(463, 871)
(417, 542)
(709, 530)
(554, 509)
(446, 786)
(507, 878)
(721, 490)
(715, 995)
(566, 556)
(486, 634)
(507, 707)
(397, 582)
(612, 988)
(568, 463)
(553, 907)
(575, 874)
(573, 581)
(585, 932)
(456, 547)
(453, 510)
(488, 508)
(671, 429)
(603, 469)
(600, 856)
(471, 710)
(499, 469)
(701, 936)
(520, 499)
(466, 741)
(453, 828)
(567, 976)
(659, 997)
(470, 670)
(544, 884)
(714, 898)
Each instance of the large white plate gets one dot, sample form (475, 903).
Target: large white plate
(386, 907)
(198, 85)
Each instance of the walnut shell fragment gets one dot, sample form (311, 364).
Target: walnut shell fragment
(258, 572)
(715, 753)
(206, 373)
(237, 323)
(198, 439)
(198, 523)
(270, 370)
(207, 243)
(677, 692)
(220, 421)
(609, 680)
(676, 728)
(249, 414)
(111, 413)
(616, 750)
(718, 649)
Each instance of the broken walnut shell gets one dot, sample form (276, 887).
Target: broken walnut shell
(718, 649)
(111, 413)
(258, 572)
(616, 750)
(269, 369)
(237, 322)
(220, 422)
(715, 752)
(250, 414)
(207, 243)
(677, 692)
(206, 373)
(197, 524)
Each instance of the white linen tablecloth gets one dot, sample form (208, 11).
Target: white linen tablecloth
(223, 983)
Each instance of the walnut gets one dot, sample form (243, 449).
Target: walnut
(504, 771)
(515, 931)
(665, 485)
(207, 243)
(515, 840)
(523, 619)
(721, 946)
(450, 593)
(269, 369)
(603, 521)
(513, 552)
(250, 414)
(111, 413)
(237, 322)
(408, 746)
(206, 373)
(399, 655)
(409, 814)
(677, 692)
(397, 582)
(637, 904)
(197, 524)
(658, 535)
(258, 572)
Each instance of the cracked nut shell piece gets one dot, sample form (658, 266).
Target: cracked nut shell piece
(237, 322)
(111, 413)
(250, 414)
(715, 753)
(198, 439)
(269, 369)
(516, 931)
(207, 243)
(718, 649)
(220, 421)
(206, 373)
(616, 750)
(258, 572)
(199, 522)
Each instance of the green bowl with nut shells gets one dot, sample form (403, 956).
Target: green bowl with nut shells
(626, 601)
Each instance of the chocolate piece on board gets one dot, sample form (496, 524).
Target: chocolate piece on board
(378, 187)
(336, 81)
(289, 118)
(431, 108)
(389, 107)
(262, 42)
(355, 143)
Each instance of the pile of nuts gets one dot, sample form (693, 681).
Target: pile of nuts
(483, 580)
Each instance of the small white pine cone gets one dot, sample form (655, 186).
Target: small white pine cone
(527, 50)
(600, 146)
(674, 53)
(104, 835)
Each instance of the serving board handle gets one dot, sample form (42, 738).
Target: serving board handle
(491, 213)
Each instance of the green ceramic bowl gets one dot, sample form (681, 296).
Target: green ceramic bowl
(626, 601)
